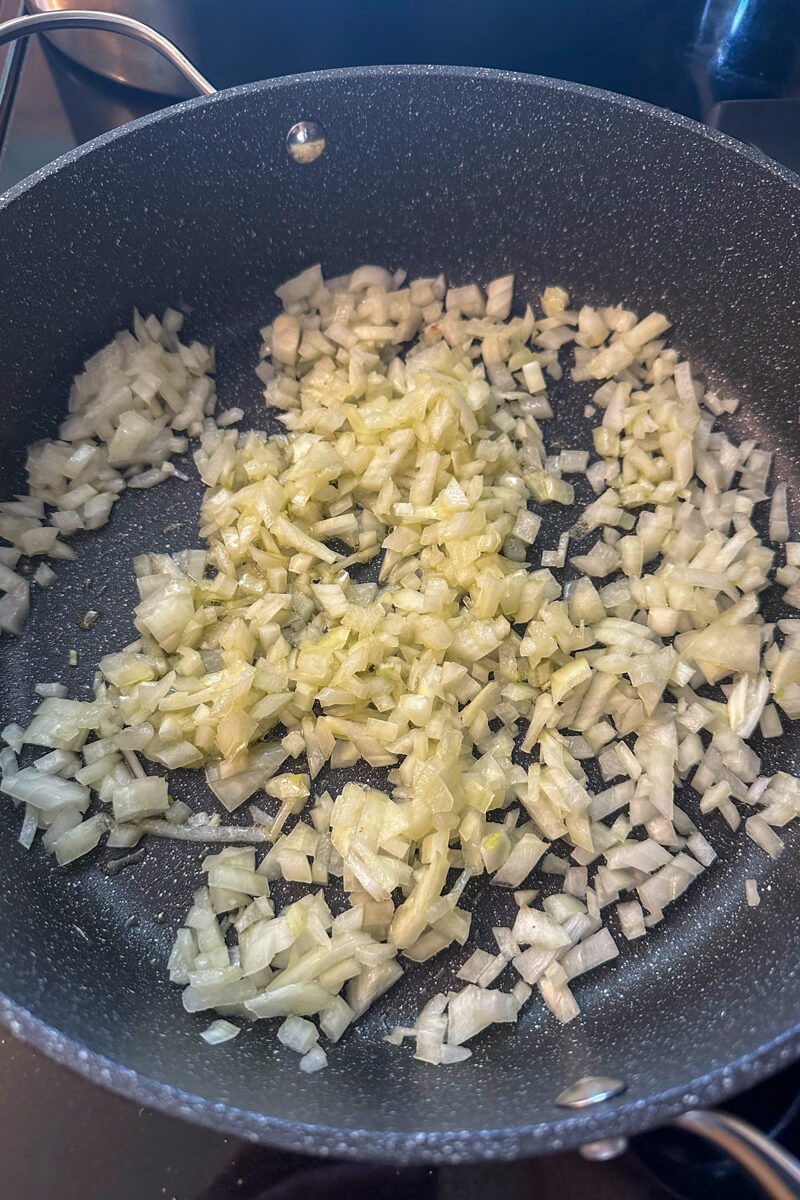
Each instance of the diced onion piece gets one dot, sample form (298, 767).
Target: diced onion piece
(220, 1031)
(298, 1034)
(631, 919)
(471, 970)
(765, 837)
(141, 798)
(80, 840)
(29, 826)
(314, 1060)
(598, 948)
(473, 1009)
(778, 515)
(336, 1018)
(701, 848)
(559, 999)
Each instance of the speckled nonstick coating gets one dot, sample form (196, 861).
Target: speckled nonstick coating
(477, 173)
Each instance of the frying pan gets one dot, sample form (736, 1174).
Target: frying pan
(476, 173)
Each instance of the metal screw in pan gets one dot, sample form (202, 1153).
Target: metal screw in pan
(585, 1092)
(591, 1089)
(305, 141)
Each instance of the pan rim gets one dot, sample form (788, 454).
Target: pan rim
(619, 1117)
(400, 71)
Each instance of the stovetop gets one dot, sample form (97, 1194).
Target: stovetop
(62, 1137)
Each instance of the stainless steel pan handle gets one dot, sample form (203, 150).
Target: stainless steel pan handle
(22, 27)
(765, 1162)
(775, 1170)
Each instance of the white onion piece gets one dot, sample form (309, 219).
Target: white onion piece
(701, 848)
(471, 970)
(74, 843)
(298, 1034)
(473, 1009)
(314, 1060)
(506, 943)
(220, 1031)
(492, 970)
(44, 575)
(598, 948)
(143, 797)
(778, 515)
(559, 999)
(30, 824)
(760, 832)
(51, 689)
(46, 792)
(631, 919)
(8, 761)
(336, 1018)
(234, 834)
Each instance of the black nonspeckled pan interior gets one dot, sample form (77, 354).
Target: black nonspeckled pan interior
(475, 173)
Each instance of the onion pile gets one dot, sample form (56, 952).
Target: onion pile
(129, 412)
(506, 695)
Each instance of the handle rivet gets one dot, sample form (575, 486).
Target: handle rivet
(592, 1089)
(305, 141)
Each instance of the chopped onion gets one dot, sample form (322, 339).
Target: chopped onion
(314, 1060)
(79, 841)
(758, 829)
(44, 575)
(220, 1031)
(410, 437)
(559, 999)
(701, 848)
(298, 1034)
(473, 1009)
(50, 689)
(631, 919)
(778, 515)
(596, 949)
(476, 964)
(241, 834)
(29, 826)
